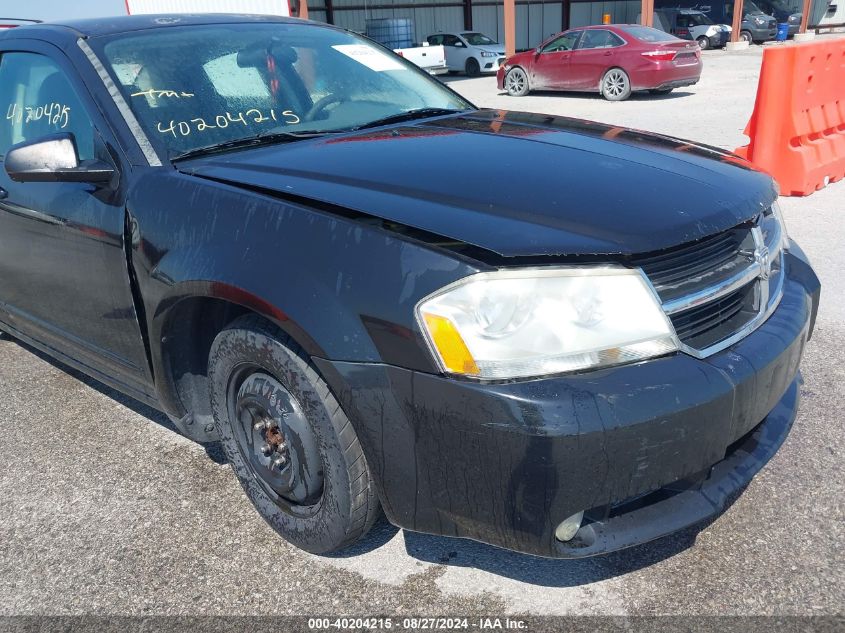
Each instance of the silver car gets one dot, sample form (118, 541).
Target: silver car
(470, 52)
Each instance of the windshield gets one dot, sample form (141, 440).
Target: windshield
(786, 7)
(749, 7)
(698, 19)
(201, 86)
(477, 39)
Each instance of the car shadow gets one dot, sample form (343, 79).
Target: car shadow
(451, 551)
(212, 449)
(551, 572)
(635, 96)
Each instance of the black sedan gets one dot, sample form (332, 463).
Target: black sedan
(552, 335)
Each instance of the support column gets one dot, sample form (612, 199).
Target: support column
(467, 15)
(303, 9)
(805, 15)
(510, 27)
(736, 24)
(330, 11)
(647, 13)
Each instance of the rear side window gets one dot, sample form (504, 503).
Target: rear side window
(648, 34)
(37, 100)
(435, 40)
(599, 38)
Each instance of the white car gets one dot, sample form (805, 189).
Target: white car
(470, 52)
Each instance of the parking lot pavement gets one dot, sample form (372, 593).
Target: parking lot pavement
(106, 510)
(713, 111)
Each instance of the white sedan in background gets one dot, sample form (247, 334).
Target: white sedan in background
(470, 52)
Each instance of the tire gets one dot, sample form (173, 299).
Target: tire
(703, 43)
(473, 68)
(266, 393)
(661, 91)
(615, 85)
(746, 36)
(516, 82)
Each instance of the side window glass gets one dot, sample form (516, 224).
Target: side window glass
(613, 40)
(435, 40)
(599, 39)
(450, 40)
(36, 100)
(565, 42)
(592, 39)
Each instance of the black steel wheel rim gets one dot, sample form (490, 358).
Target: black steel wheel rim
(275, 439)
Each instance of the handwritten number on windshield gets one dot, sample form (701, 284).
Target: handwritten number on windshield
(222, 121)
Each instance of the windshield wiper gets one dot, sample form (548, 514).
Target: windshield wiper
(252, 141)
(408, 115)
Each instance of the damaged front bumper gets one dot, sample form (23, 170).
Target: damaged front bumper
(643, 449)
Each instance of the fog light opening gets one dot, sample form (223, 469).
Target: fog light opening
(569, 527)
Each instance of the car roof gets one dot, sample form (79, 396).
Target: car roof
(100, 27)
(606, 27)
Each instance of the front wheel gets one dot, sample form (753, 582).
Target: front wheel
(516, 82)
(473, 68)
(745, 36)
(703, 43)
(615, 85)
(288, 440)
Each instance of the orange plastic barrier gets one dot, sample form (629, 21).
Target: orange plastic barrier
(797, 129)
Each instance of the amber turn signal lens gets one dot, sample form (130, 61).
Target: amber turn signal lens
(451, 347)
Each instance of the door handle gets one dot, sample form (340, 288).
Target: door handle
(608, 54)
(3, 194)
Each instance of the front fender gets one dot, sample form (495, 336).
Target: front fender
(344, 289)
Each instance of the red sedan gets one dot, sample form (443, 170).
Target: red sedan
(613, 59)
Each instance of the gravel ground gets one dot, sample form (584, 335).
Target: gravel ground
(106, 510)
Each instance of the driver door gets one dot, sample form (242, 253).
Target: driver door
(550, 70)
(64, 281)
(456, 52)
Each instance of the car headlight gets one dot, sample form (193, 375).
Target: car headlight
(487, 54)
(778, 226)
(759, 21)
(535, 322)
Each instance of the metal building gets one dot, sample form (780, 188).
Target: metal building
(535, 19)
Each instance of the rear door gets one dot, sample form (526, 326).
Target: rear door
(64, 280)
(550, 69)
(597, 51)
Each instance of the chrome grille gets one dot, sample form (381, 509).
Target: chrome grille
(688, 268)
(706, 325)
(719, 289)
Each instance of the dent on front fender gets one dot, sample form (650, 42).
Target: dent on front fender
(344, 290)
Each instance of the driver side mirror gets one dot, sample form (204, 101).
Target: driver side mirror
(54, 158)
(459, 45)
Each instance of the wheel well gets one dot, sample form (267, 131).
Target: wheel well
(607, 70)
(186, 342)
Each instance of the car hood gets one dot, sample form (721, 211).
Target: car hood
(516, 184)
